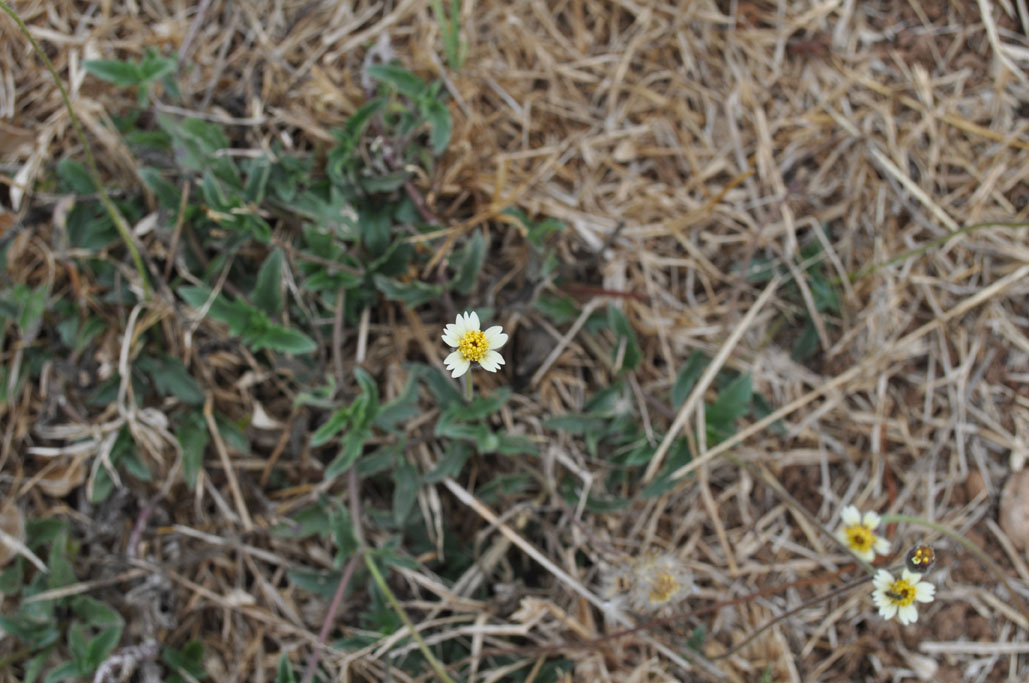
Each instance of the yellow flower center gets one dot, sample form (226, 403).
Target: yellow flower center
(663, 587)
(473, 346)
(901, 592)
(860, 537)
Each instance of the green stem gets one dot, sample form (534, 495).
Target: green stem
(399, 609)
(968, 545)
(469, 391)
(91, 167)
(918, 251)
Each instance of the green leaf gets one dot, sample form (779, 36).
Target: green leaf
(284, 672)
(366, 406)
(687, 376)
(442, 387)
(539, 232)
(74, 178)
(24, 627)
(504, 484)
(378, 461)
(375, 225)
(190, 659)
(824, 294)
(170, 378)
(386, 182)
(45, 530)
(236, 314)
(486, 441)
(574, 423)
(257, 180)
(678, 456)
(468, 262)
(267, 294)
(560, 309)
(155, 67)
(95, 613)
(284, 341)
(77, 642)
(168, 194)
(115, 71)
(314, 519)
(323, 583)
(456, 454)
(12, 578)
(512, 444)
(197, 143)
(405, 489)
(806, 344)
(403, 407)
(193, 436)
(333, 426)
(66, 670)
(102, 645)
(342, 158)
(353, 447)
(61, 572)
(440, 125)
(733, 403)
(624, 335)
(26, 305)
(480, 407)
(35, 666)
(411, 293)
(400, 78)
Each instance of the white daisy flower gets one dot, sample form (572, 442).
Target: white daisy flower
(898, 596)
(858, 534)
(473, 345)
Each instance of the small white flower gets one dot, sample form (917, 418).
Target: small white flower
(858, 534)
(473, 345)
(898, 596)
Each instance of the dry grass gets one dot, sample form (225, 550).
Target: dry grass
(679, 143)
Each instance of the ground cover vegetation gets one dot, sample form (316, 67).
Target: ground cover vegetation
(502, 341)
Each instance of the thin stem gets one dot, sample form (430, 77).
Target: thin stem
(968, 545)
(776, 619)
(399, 609)
(469, 391)
(330, 617)
(91, 167)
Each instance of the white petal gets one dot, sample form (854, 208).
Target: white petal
(842, 535)
(910, 576)
(491, 361)
(456, 363)
(883, 580)
(888, 610)
(450, 336)
(461, 326)
(866, 555)
(850, 515)
(924, 591)
(472, 319)
(882, 545)
(495, 337)
(907, 614)
(871, 519)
